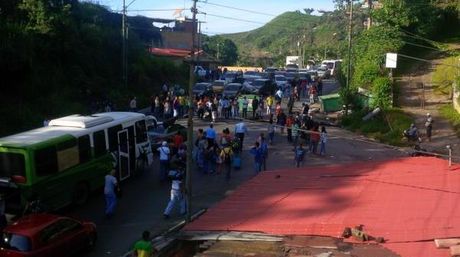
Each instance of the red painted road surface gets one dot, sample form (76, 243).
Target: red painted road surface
(407, 201)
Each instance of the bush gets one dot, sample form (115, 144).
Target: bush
(448, 112)
(382, 91)
(385, 127)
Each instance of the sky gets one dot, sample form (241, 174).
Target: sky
(260, 11)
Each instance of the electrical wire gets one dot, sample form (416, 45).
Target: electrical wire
(238, 9)
(231, 18)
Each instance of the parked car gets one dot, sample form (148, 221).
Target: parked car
(271, 69)
(218, 86)
(232, 89)
(229, 77)
(323, 72)
(264, 86)
(313, 74)
(202, 89)
(160, 134)
(47, 235)
(280, 81)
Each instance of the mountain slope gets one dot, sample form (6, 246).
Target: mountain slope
(280, 36)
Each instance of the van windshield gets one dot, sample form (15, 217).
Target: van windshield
(12, 164)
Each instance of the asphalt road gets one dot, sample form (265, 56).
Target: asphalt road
(144, 198)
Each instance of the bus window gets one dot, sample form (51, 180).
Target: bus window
(67, 154)
(141, 133)
(113, 137)
(99, 143)
(46, 161)
(12, 164)
(84, 148)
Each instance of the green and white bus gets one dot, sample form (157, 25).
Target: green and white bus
(64, 162)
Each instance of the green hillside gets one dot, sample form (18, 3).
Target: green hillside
(318, 35)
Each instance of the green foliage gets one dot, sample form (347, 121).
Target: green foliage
(221, 48)
(60, 57)
(445, 76)
(449, 113)
(382, 92)
(369, 54)
(386, 127)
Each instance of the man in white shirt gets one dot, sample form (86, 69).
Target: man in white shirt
(164, 159)
(240, 131)
(177, 193)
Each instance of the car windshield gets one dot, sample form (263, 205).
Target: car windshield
(12, 164)
(218, 83)
(329, 65)
(15, 242)
(258, 83)
(200, 87)
(280, 78)
(232, 88)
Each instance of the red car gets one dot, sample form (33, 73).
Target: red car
(47, 235)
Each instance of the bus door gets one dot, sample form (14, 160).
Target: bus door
(123, 155)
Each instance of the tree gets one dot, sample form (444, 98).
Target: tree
(221, 48)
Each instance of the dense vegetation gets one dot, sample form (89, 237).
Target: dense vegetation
(61, 57)
(271, 43)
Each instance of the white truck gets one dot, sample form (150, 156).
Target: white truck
(292, 61)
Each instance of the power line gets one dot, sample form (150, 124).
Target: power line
(428, 61)
(238, 9)
(231, 18)
(427, 47)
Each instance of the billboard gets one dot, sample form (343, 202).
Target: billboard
(293, 60)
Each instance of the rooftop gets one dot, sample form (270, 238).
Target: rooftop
(409, 202)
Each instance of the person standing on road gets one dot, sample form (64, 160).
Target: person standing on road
(177, 192)
(226, 156)
(143, 247)
(164, 159)
(320, 86)
(240, 131)
(289, 123)
(258, 157)
(245, 107)
(314, 139)
(295, 131)
(428, 126)
(110, 186)
(255, 106)
(271, 131)
(299, 154)
(264, 149)
(211, 135)
(323, 140)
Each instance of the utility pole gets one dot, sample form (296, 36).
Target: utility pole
(369, 21)
(188, 174)
(350, 35)
(123, 54)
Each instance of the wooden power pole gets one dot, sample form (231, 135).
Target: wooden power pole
(369, 21)
(188, 173)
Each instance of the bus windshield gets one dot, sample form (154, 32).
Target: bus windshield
(12, 164)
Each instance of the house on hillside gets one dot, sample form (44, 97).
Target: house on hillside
(176, 42)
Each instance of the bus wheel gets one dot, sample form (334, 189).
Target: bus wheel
(81, 193)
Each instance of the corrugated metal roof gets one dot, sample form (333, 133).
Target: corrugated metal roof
(407, 201)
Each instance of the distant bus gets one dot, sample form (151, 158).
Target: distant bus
(333, 65)
(64, 162)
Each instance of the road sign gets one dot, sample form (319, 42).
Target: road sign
(392, 60)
